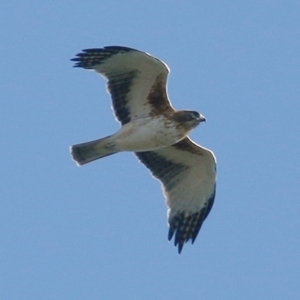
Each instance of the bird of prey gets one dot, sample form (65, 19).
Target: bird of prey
(156, 133)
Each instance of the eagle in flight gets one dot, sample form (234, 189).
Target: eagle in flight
(156, 133)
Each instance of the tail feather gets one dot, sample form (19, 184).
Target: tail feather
(90, 151)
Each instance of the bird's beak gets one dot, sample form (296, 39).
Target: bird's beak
(202, 118)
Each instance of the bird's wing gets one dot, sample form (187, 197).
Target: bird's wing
(136, 80)
(188, 175)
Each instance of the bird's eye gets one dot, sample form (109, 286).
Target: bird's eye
(195, 114)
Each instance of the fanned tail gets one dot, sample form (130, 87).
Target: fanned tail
(90, 151)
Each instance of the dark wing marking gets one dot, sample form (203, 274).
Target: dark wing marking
(119, 86)
(158, 98)
(188, 174)
(161, 168)
(187, 227)
(90, 58)
(136, 80)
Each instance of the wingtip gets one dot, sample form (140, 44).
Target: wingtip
(180, 246)
(177, 243)
(170, 234)
(77, 61)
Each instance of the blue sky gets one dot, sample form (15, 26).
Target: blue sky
(100, 231)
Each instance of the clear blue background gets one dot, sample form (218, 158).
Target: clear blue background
(100, 231)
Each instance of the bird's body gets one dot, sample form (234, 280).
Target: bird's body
(146, 134)
(156, 132)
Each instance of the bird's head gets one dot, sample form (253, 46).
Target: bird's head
(189, 118)
(194, 117)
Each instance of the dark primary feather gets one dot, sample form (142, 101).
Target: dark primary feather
(89, 58)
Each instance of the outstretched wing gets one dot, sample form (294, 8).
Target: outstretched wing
(136, 80)
(188, 175)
